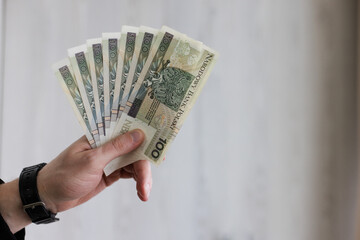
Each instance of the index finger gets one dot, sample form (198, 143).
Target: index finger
(142, 175)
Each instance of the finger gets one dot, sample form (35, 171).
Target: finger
(142, 175)
(120, 145)
(113, 177)
(80, 145)
(124, 174)
(83, 143)
(129, 169)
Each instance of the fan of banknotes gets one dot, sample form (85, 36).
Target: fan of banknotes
(139, 78)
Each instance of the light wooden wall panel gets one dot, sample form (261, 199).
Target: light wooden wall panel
(268, 152)
(358, 125)
(2, 44)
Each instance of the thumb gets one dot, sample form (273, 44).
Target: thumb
(120, 145)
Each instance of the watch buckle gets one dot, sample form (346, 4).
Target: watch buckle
(33, 205)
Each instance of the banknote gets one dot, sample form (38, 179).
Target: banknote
(165, 38)
(79, 63)
(138, 78)
(144, 41)
(110, 43)
(170, 88)
(65, 75)
(126, 51)
(95, 57)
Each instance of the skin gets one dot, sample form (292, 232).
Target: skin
(75, 176)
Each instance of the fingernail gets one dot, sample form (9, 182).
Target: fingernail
(136, 136)
(147, 189)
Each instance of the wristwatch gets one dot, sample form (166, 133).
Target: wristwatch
(29, 195)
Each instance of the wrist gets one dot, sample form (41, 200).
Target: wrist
(44, 193)
(29, 194)
(11, 207)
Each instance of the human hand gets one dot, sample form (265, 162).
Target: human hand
(76, 175)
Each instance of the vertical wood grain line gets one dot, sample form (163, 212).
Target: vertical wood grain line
(2, 63)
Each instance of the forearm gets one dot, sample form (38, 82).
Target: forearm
(11, 206)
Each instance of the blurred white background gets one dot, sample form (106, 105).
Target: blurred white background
(268, 152)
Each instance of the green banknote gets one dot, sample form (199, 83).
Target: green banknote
(143, 44)
(166, 39)
(65, 75)
(172, 79)
(126, 52)
(110, 43)
(95, 57)
(78, 61)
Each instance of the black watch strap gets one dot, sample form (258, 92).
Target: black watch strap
(32, 203)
